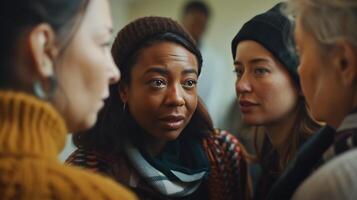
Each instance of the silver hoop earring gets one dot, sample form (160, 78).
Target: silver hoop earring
(40, 93)
(124, 107)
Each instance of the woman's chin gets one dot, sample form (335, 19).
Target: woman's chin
(86, 124)
(169, 135)
(251, 121)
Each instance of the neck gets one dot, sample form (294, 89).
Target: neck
(153, 146)
(337, 120)
(143, 139)
(279, 132)
(343, 110)
(29, 126)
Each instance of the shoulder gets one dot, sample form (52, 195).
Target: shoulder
(92, 160)
(337, 179)
(226, 140)
(49, 179)
(74, 182)
(228, 168)
(223, 147)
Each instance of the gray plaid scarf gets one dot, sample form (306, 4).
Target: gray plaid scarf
(182, 185)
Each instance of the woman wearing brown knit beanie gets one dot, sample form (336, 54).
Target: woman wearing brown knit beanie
(154, 134)
(55, 69)
(269, 94)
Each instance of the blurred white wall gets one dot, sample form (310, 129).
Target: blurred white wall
(227, 18)
(120, 13)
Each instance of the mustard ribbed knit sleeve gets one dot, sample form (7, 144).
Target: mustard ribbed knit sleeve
(32, 133)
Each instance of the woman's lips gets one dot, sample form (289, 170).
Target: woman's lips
(247, 106)
(172, 122)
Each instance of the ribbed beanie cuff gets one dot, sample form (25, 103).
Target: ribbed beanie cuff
(130, 38)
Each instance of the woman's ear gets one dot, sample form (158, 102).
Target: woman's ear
(43, 49)
(300, 93)
(123, 92)
(346, 61)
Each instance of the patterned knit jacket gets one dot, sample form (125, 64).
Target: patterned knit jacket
(32, 134)
(227, 177)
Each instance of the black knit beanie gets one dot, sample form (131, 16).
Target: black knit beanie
(131, 38)
(272, 30)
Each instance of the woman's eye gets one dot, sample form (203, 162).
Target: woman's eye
(105, 46)
(190, 84)
(158, 83)
(260, 71)
(238, 72)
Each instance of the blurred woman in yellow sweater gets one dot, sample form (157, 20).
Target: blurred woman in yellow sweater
(55, 68)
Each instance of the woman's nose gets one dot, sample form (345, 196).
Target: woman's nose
(175, 96)
(114, 73)
(243, 84)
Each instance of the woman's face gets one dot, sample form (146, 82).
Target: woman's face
(265, 90)
(319, 78)
(162, 94)
(86, 69)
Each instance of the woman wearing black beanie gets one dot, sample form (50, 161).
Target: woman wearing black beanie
(269, 94)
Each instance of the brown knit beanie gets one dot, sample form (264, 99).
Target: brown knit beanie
(131, 38)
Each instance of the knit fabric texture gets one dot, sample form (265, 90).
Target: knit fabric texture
(273, 30)
(32, 134)
(130, 39)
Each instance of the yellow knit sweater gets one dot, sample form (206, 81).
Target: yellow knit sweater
(32, 134)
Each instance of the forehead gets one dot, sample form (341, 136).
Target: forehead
(297, 29)
(249, 49)
(304, 37)
(166, 51)
(97, 14)
(303, 29)
(167, 55)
